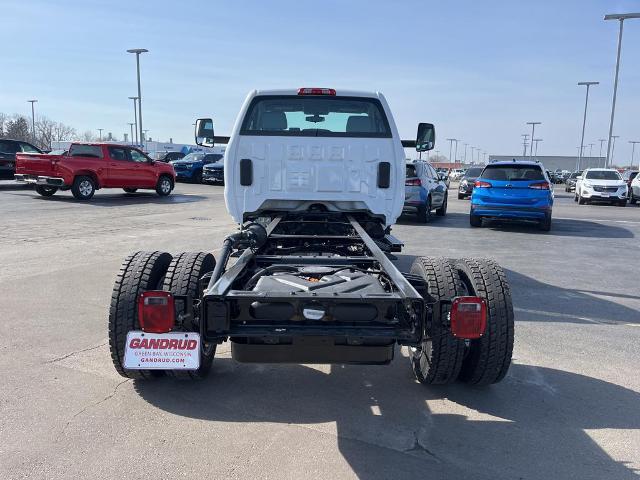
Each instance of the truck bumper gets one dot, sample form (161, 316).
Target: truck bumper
(40, 180)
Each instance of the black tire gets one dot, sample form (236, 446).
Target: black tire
(130, 190)
(139, 272)
(545, 225)
(442, 211)
(475, 220)
(439, 359)
(460, 196)
(83, 187)
(183, 278)
(197, 177)
(424, 212)
(164, 185)
(622, 203)
(632, 200)
(45, 190)
(488, 358)
(581, 201)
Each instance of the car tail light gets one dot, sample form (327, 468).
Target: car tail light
(316, 91)
(468, 317)
(156, 311)
(413, 182)
(540, 186)
(481, 184)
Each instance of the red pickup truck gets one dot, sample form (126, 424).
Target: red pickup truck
(87, 167)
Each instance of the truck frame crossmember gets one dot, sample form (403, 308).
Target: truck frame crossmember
(312, 318)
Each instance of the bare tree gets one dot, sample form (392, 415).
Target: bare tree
(18, 128)
(44, 132)
(3, 120)
(88, 136)
(62, 132)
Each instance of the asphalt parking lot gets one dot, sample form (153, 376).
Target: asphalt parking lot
(569, 407)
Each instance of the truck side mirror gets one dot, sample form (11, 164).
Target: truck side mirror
(426, 137)
(204, 132)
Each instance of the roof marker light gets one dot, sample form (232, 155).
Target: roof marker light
(316, 91)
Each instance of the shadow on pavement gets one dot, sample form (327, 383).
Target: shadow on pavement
(529, 426)
(538, 301)
(120, 199)
(560, 227)
(535, 301)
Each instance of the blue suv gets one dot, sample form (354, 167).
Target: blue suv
(190, 167)
(513, 191)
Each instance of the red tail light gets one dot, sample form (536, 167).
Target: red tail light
(468, 317)
(156, 311)
(316, 91)
(415, 182)
(540, 186)
(481, 184)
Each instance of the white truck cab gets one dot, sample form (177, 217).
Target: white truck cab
(297, 148)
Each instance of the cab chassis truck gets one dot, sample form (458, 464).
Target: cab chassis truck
(310, 281)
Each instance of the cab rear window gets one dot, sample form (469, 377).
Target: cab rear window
(315, 116)
(411, 171)
(513, 173)
(94, 151)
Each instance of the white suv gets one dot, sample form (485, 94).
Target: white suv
(296, 149)
(634, 193)
(601, 185)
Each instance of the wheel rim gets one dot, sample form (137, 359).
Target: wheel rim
(165, 186)
(85, 188)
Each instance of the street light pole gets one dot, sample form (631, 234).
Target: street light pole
(465, 153)
(633, 151)
(533, 135)
(33, 120)
(100, 133)
(601, 140)
(455, 151)
(584, 118)
(451, 140)
(537, 140)
(135, 117)
(621, 18)
(131, 125)
(138, 51)
(524, 144)
(613, 147)
(472, 151)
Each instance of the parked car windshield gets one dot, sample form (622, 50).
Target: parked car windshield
(603, 175)
(575, 174)
(411, 171)
(513, 173)
(316, 116)
(192, 157)
(473, 172)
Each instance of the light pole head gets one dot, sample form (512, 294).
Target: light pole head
(534, 123)
(137, 51)
(32, 101)
(621, 16)
(133, 98)
(588, 83)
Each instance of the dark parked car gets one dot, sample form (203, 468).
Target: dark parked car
(570, 184)
(190, 167)
(628, 177)
(466, 182)
(213, 172)
(167, 157)
(8, 150)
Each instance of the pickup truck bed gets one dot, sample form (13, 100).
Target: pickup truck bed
(88, 167)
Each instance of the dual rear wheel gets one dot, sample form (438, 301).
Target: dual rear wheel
(144, 271)
(442, 358)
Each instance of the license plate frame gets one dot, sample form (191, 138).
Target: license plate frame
(162, 351)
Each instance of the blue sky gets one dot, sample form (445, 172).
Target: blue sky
(477, 69)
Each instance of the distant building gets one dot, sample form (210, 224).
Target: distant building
(554, 162)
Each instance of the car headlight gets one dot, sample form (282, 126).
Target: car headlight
(587, 184)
